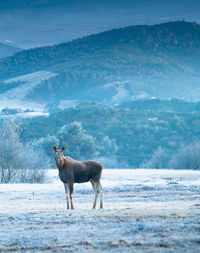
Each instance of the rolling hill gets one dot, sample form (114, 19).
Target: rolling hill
(122, 64)
(7, 50)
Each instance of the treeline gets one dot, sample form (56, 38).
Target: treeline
(127, 135)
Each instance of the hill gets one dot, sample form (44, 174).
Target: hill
(110, 67)
(7, 50)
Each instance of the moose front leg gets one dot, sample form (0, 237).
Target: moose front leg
(67, 194)
(69, 191)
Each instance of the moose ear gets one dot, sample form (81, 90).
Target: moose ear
(63, 148)
(54, 148)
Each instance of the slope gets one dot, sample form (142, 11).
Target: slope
(7, 50)
(122, 64)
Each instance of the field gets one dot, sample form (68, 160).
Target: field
(144, 211)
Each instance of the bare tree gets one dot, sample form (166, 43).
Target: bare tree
(19, 162)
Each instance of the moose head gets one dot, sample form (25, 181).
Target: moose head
(59, 155)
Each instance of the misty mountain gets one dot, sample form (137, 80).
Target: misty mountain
(46, 22)
(7, 50)
(110, 67)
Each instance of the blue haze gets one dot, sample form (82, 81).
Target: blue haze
(30, 23)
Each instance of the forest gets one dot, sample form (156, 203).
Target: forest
(141, 133)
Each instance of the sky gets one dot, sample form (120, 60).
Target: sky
(29, 24)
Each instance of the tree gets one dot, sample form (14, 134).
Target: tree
(19, 162)
(10, 146)
(46, 143)
(107, 147)
(79, 144)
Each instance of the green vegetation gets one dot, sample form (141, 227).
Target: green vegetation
(129, 134)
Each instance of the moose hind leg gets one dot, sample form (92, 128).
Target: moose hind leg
(101, 195)
(96, 191)
(71, 187)
(72, 206)
(67, 194)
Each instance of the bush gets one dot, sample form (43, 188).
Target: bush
(19, 162)
(158, 160)
(187, 157)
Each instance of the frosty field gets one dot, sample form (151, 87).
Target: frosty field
(144, 211)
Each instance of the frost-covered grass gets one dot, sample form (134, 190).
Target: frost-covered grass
(144, 211)
(15, 98)
(28, 82)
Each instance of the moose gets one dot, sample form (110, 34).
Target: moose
(72, 171)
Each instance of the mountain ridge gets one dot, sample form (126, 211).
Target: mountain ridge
(114, 33)
(8, 50)
(114, 66)
(46, 22)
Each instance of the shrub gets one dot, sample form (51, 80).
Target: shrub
(158, 160)
(187, 157)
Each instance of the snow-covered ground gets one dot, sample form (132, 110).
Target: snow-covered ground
(144, 211)
(29, 82)
(15, 98)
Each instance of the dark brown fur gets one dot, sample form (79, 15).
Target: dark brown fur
(72, 171)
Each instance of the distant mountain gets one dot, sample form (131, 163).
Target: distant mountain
(7, 50)
(31, 23)
(110, 67)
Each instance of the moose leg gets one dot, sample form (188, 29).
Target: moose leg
(67, 194)
(71, 188)
(94, 185)
(101, 195)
